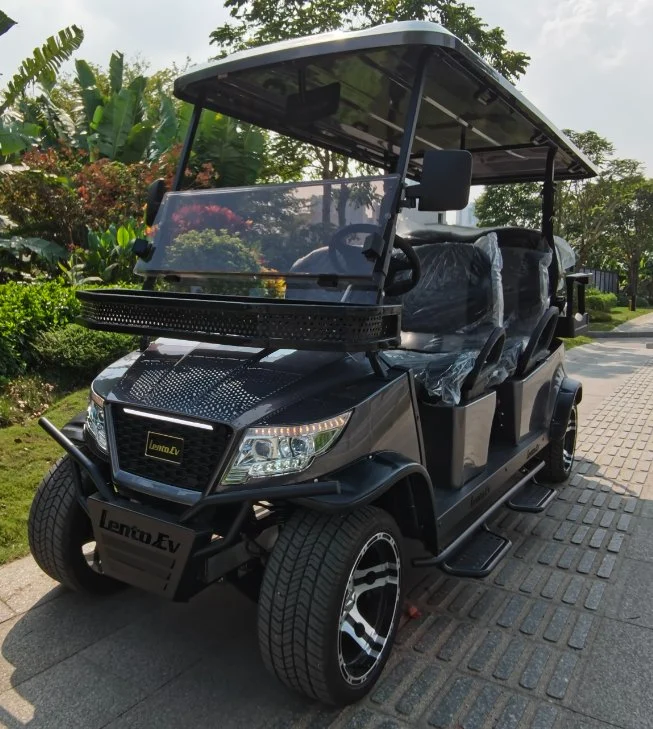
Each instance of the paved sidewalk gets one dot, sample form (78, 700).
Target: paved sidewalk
(559, 637)
(639, 324)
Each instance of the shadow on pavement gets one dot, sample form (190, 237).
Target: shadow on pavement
(80, 662)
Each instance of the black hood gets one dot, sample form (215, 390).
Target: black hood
(227, 384)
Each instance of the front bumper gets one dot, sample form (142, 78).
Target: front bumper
(173, 556)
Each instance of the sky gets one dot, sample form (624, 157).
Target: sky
(590, 59)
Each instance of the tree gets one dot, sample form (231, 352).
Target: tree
(518, 204)
(256, 22)
(16, 132)
(631, 228)
(584, 208)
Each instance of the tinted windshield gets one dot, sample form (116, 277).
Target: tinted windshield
(260, 238)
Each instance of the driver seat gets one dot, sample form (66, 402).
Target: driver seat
(452, 334)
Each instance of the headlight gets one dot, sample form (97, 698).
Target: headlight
(280, 449)
(95, 421)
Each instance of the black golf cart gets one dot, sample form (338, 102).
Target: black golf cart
(312, 389)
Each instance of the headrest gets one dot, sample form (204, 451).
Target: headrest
(459, 289)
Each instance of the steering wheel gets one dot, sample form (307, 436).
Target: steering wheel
(409, 263)
(339, 248)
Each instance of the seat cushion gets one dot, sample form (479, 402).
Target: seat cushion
(440, 376)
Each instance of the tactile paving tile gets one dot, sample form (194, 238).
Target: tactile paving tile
(504, 652)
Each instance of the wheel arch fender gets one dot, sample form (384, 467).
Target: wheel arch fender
(569, 393)
(390, 481)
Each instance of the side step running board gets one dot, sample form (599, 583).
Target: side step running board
(456, 547)
(533, 497)
(479, 555)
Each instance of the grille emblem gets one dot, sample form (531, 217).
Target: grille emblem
(164, 447)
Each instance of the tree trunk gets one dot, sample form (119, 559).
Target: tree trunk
(634, 281)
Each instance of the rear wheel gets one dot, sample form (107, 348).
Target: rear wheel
(559, 455)
(330, 602)
(60, 534)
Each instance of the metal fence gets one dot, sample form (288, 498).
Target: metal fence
(606, 281)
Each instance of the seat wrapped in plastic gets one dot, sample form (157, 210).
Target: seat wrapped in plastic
(525, 278)
(449, 315)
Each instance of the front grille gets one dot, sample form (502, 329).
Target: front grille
(202, 449)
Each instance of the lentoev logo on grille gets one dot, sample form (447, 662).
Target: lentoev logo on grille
(164, 447)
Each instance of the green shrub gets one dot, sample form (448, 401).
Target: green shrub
(596, 300)
(26, 310)
(81, 351)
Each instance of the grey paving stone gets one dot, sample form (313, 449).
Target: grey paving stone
(531, 623)
(607, 519)
(433, 635)
(483, 654)
(549, 555)
(512, 611)
(150, 652)
(580, 534)
(567, 557)
(459, 603)
(451, 704)
(632, 598)
(535, 667)
(72, 694)
(418, 690)
(615, 543)
(619, 650)
(607, 565)
(545, 717)
(586, 563)
(640, 542)
(59, 628)
(624, 522)
(597, 538)
(440, 595)
(532, 579)
(580, 632)
(552, 585)
(391, 680)
(509, 660)
(512, 713)
(594, 596)
(455, 642)
(481, 708)
(560, 618)
(485, 605)
(572, 593)
(562, 674)
(563, 531)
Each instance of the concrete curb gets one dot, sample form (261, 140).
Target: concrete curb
(620, 335)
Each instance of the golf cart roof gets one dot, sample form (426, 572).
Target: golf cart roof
(349, 92)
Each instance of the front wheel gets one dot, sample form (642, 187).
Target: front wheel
(330, 602)
(559, 454)
(60, 534)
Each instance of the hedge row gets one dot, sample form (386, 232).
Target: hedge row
(37, 332)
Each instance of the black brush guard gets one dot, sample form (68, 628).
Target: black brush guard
(274, 323)
(173, 557)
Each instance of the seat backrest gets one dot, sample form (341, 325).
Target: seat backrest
(525, 281)
(459, 289)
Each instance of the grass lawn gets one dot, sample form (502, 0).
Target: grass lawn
(26, 453)
(572, 342)
(619, 315)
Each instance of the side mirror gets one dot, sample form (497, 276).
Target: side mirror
(446, 180)
(155, 193)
